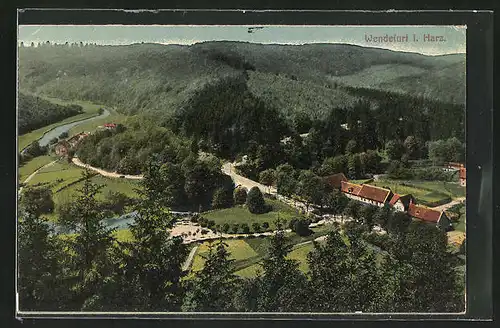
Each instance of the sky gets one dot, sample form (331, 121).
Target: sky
(451, 39)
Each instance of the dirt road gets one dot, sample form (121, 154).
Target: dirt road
(229, 169)
(450, 204)
(108, 174)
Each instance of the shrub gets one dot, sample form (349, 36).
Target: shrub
(204, 231)
(256, 226)
(222, 198)
(240, 195)
(265, 225)
(63, 135)
(235, 228)
(225, 227)
(195, 218)
(255, 201)
(300, 227)
(245, 228)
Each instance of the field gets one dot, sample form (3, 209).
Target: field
(89, 111)
(239, 250)
(426, 192)
(240, 214)
(248, 253)
(31, 166)
(92, 125)
(57, 176)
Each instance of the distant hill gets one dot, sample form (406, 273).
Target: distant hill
(35, 112)
(308, 78)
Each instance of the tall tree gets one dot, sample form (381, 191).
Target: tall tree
(156, 258)
(41, 280)
(213, 288)
(92, 242)
(282, 287)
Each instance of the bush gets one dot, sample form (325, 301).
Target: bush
(235, 228)
(256, 226)
(245, 228)
(255, 201)
(195, 218)
(240, 195)
(300, 226)
(204, 231)
(265, 225)
(63, 135)
(222, 198)
(225, 227)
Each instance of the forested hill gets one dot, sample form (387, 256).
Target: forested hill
(306, 78)
(35, 112)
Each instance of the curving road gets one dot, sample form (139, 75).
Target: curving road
(105, 173)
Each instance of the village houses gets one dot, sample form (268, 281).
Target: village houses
(380, 197)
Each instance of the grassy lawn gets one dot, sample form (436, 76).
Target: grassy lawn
(240, 214)
(460, 225)
(454, 190)
(360, 181)
(31, 166)
(89, 109)
(239, 250)
(58, 175)
(250, 271)
(423, 196)
(300, 254)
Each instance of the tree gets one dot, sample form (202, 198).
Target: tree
(312, 188)
(265, 225)
(225, 227)
(235, 228)
(35, 150)
(334, 165)
(368, 216)
(240, 195)
(245, 228)
(38, 200)
(93, 240)
(281, 286)
(256, 227)
(352, 209)
(394, 149)
(336, 201)
(354, 166)
(63, 135)
(412, 147)
(344, 275)
(351, 147)
(255, 201)
(155, 258)
(267, 177)
(213, 288)
(300, 226)
(41, 284)
(223, 198)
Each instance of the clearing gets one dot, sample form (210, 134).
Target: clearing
(240, 214)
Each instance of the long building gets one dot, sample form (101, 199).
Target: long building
(380, 197)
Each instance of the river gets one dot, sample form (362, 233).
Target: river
(119, 222)
(56, 132)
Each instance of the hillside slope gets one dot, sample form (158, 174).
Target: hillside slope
(308, 78)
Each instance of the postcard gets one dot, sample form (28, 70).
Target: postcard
(240, 169)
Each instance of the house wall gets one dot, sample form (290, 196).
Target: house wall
(399, 206)
(364, 200)
(463, 182)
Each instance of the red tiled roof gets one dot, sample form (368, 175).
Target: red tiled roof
(350, 188)
(455, 165)
(394, 199)
(424, 213)
(335, 180)
(374, 193)
(462, 173)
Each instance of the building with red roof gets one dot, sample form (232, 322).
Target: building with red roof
(462, 174)
(430, 215)
(366, 193)
(401, 203)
